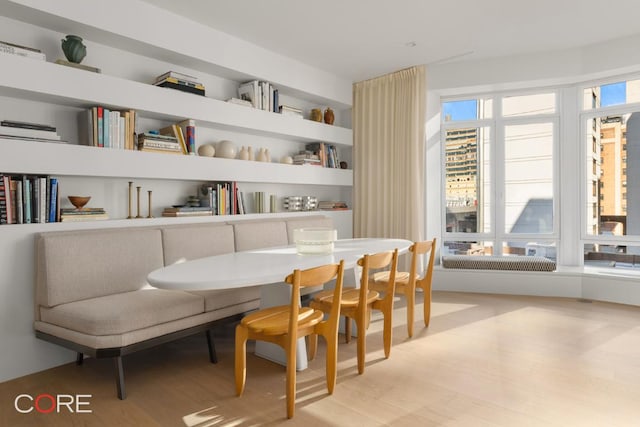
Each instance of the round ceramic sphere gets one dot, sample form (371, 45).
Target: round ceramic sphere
(287, 160)
(206, 150)
(226, 149)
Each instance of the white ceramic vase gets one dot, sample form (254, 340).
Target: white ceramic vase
(226, 149)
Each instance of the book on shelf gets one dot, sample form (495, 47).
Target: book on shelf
(108, 128)
(168, 83)
(187, 211)
(83, 214)
(27, 125)
(28, 199)
(262, 95)
(250, 92)
(28, 133)
(290, 111)
(175, 131)
(188, 127)
(239, 101)
(176, 75)
(182, 82)
(327, 153)
(192, 213)
(224, 198)
(24, 51)
(83, 217)
(332, 205)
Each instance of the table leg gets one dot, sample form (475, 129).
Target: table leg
(272, 295)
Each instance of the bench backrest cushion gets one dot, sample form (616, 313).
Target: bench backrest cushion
(78, 265)
(307, 222)
(182, 243)
(259, 234)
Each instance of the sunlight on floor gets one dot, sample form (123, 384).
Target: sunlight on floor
(207, 418)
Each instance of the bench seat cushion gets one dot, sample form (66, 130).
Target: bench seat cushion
(217, 299)
(123, 312)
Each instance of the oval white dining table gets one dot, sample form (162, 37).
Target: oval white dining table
(264, 267)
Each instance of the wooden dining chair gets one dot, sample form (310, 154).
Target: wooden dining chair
(357, 303)
(283, 325)
(407, 282)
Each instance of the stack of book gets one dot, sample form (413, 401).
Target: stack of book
(180, 81)
(84, 214)
(156, 143)
(107, 128)
(328, 154)
(285, 110)
(27, 52)
(10, 129)
(28, 199)
(306, 158)
(187, 211)
(261, 95)
(329, 205)
(224, 198)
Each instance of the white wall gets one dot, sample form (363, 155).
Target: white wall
(559, 69)
(21, 352)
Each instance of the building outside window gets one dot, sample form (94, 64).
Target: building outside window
(611, 231)
(500, 183)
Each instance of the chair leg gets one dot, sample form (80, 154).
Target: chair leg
(213, 357)
(427, 305)
(387, 329)
(79, 358)
(332, 363)
(362, 335)
(312, 342)
(347, 329)
(241, 358)
(119, 377)
(291, 377)
(410, 298)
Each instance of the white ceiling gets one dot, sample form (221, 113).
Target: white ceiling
(360, 39)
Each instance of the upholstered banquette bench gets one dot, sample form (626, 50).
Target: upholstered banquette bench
(92, 295)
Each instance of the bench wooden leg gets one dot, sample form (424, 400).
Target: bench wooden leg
(79, 358)
(213, 357)
(119, 377)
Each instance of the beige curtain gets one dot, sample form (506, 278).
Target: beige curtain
(389, 155)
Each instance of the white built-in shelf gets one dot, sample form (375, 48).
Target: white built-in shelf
(49, 82)
(178, 40)
(30, 157)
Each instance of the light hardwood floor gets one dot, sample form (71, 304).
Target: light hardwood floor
(485, 360)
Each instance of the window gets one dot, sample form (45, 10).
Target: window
(611, 232)
(500, 175)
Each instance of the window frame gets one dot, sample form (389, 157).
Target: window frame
(497, 125)
(584, 116)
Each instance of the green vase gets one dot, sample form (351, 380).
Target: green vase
(73, 49)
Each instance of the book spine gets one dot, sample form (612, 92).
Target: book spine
(35, 200)
(53, 200)
(42, 203)
(3, 202)
(106, 127)
(191, 140)
(13, 190)
(100, 113)
(19, 202)
(26, 197)
(8, 196)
